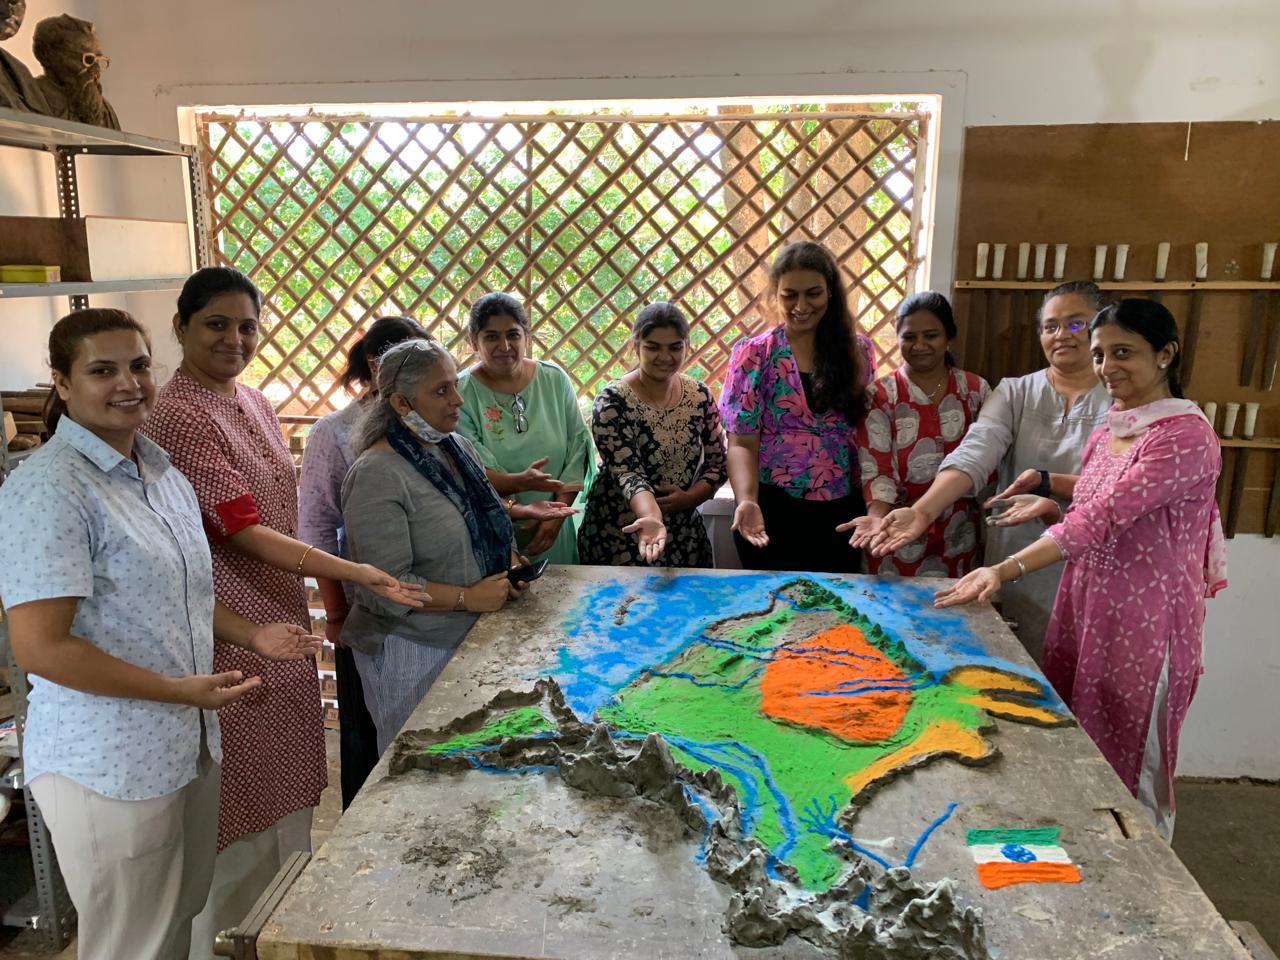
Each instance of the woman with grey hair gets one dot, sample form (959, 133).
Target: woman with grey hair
(417, 499)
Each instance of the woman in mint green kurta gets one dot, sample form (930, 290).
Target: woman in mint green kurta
(522, 417)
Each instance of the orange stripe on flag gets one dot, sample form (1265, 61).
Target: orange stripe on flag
(997, 875)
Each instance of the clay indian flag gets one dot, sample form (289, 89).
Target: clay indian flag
(1021, 856)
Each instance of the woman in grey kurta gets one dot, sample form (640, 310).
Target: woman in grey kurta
(1038, 422)
(418, 499)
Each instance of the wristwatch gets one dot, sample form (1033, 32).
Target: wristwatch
(1044, 490)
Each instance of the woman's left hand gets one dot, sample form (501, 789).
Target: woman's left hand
(388, 587)
(1022, 508)
(980, 585)
(673, 499)
(545, 538)
(283, 641)
(651, 536)
(1025, 482)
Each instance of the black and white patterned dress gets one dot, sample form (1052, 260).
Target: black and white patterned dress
(641, 447)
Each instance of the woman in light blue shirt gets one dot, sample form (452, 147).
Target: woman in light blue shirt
(107, 584)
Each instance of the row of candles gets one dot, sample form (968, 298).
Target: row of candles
(1231, 414)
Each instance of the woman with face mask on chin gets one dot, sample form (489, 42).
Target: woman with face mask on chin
(1032, 430)
(417, 502)
(226, 440)
(916, 416)
(662, 452)
(1143, 549)
(108, 588)
(325, 464)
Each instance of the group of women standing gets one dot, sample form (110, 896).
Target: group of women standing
(420, 498)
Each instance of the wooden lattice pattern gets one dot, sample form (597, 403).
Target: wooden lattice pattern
(341, 219)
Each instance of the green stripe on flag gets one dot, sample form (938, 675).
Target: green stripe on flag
(1036, 835)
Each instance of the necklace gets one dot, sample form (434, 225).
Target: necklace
(665, 403)
(934, 393)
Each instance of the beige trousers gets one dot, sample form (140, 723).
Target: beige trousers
(241, 874)
(137, 871)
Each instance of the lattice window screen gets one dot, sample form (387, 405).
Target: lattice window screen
(341, 219)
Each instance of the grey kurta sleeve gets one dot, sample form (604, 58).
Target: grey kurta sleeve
(988, 439)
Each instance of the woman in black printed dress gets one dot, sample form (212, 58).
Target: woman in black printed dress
(662, 453)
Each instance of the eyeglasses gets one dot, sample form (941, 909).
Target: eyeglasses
(1052, 328)
(517, 414)
(89, 59)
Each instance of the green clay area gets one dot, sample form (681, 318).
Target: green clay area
(515, 723)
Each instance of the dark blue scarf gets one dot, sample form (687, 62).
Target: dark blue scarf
(482, 509)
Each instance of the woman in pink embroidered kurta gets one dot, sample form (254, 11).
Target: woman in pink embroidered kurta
(1143, 548)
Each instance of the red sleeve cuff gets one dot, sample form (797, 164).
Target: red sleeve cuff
(235, 515)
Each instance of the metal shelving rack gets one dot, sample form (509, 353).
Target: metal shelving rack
(49, 909)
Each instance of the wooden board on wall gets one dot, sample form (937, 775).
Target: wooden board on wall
(1139, 184)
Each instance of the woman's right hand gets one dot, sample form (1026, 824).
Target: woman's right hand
(214, 691)
(533, 477)
(1023, 508)
(864, 529)
(651, 537)
(899, 528)
(488, 595)
(749, 521)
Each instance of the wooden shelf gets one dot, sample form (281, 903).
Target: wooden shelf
(15, 291)
(1257, 443)
(35, 131)
(1151, 286)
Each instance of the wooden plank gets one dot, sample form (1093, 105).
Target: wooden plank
(522, 866)
(1252, 939)
(1140, 184)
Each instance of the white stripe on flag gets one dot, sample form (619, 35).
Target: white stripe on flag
(994, 853)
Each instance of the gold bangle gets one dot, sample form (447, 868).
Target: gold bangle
(303, 558)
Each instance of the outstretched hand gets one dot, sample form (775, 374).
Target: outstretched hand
(749, 522)
(899, 528)
(1028, 481)
(864, 529)
(980, 585)
(214, 691)
(283, 641)
(388, 587)
(533, 477)
(541, 510)
(1021, 508)
(651, 537)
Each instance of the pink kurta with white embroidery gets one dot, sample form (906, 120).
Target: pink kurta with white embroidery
(1133, 591)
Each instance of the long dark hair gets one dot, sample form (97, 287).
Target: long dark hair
(839, 370)
(932, 302)
(1154, 323)
(658, 314)
(64, 345)
(209, 282)
(383, 333)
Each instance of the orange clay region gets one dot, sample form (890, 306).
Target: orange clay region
(821, 664)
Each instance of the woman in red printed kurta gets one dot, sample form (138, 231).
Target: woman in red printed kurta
(1143, 549)
(225, 439)
(916, 416)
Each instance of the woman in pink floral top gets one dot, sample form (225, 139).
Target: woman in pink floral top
(1143, 549)
(791, 400)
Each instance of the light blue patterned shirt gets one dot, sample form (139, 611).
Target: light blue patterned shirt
(79, 521)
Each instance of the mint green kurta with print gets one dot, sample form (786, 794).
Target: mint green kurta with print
(556, 431)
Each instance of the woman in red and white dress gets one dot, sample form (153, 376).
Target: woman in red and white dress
(225, 438)
(916, 416)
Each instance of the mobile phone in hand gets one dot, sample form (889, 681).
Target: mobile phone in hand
(528, 572)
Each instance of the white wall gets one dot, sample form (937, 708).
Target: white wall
(1000, 62)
